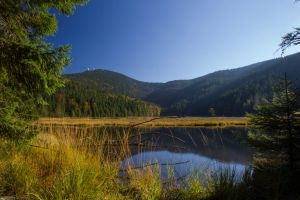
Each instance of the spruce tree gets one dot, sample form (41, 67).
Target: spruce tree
(277, 126)
(30, 67)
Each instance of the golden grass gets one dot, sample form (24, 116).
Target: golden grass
(148, 121)
(72, 164)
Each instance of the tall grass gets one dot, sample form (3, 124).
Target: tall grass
(65, 165)
(76, 163)
(150, 122)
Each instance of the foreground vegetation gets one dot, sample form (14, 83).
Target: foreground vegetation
(72, 163)
(148, 121)
(77, 165)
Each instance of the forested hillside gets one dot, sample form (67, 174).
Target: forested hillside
(114, 82)
(229, 92)
(79, 99)
(233, 92)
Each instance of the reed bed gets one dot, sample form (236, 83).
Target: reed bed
(148, 121)
(71, 162)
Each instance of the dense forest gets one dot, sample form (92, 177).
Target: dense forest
(114, 82)
(79, 99)
(232, 92)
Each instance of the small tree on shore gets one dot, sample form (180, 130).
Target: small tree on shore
(212, 112)
(277, 125)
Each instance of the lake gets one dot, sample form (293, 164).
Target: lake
(187, 151)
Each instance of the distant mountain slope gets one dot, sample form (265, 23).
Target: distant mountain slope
(230, 92)
(114, 82)
(79, 99)
(233, 92)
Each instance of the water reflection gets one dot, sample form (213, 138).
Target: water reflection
(187, 150)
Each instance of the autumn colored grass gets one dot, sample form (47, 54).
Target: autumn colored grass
(148, 121)
(75, 163)
(71, 164)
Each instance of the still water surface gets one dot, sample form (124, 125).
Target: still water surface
(184, 150)
(188, 151)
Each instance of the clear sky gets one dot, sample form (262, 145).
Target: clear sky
(162, 40)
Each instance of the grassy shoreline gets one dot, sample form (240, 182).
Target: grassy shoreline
(148, 121)
(76, 165)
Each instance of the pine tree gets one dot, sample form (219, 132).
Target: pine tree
(30, 68)
(212, 112)
(278, 127)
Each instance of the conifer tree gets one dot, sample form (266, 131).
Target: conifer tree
(30, 67)
(278, 127)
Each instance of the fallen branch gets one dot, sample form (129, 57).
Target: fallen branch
(144, 122)
(152, 164)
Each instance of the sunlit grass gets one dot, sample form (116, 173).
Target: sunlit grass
(76, 163)
(148, 121)
(62, 171)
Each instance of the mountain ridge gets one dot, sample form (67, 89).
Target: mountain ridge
(231, 92)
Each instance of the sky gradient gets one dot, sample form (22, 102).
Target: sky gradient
(163, 40)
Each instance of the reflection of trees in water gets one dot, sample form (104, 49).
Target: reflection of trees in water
(227, 144)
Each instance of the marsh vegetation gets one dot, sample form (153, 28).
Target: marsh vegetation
(75, 162)
(149, 121)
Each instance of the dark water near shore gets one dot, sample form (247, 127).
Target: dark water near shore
(188, 151)
(183, 150)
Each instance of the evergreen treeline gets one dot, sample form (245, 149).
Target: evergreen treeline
(82, 100)
(114, 82)
(228, 92)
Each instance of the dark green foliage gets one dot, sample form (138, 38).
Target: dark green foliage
(230, 92)
(114, 82)
(290, 39)
(274, 182)
(276, 138)
(223, 186)
(30, 68)
(226, 187)
(79, 99)
(278, 127)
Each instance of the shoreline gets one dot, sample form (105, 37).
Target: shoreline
(147, 121)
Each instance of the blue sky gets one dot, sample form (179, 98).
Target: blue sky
(162, 40)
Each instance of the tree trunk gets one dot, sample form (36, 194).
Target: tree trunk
(289, 126)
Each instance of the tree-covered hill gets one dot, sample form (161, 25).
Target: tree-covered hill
(231, 92)
(79, 99)
(114, 82)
